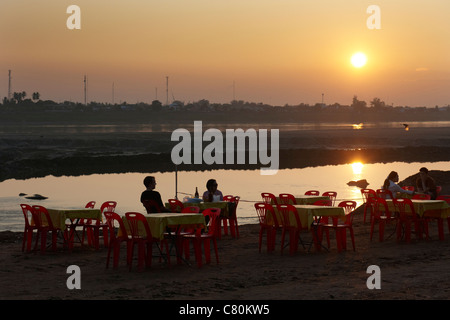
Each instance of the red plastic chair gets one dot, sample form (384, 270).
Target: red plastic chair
(268, 223)
(90, 205)
(322, 202)
(410, 188)
(312, 193)
(232, 217)
(288, 225)
(44, 225)
(175, 205)
(382, 215)
(198, 238)
(80, 223)
(117, 236)
(406, 216)
(269, 198)
(367, 193)
(319, 221)
(332, 195)
(191, 209)
(151, 206)
(142, 236)
(341, 227)
(421, 196)
(29, 227)
(384, 193)
(183, 231)
(287, 198)
(93, 230)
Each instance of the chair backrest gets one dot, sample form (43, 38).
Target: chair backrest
(108, 206)
(349, 209)
(27, 211)
(384, 193)
(236, 200)
(260, 208)
(214, 221)
(322, 202)
(405, 208)
(444, 197)
(41, 217)
(232, 206)
(190, 209)
(367, 193)
(175, 205)
(90, 205)
(228, 198)
(287, 212)
(111, 219)
(348, 205)
(287, 198)
(381, 208)
(332, 195)
(312, 193)
(266, 214)
(269, 198)
(151, 206)
(421, 196)
(136, 219)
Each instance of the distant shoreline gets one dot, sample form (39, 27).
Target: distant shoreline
(30, 150)
(289, 159)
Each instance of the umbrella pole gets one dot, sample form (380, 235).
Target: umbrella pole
(176, 182)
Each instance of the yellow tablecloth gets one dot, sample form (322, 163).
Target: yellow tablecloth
(307, 213)
(59, 216)
(222, 205)
(427, 208)
(158, 222)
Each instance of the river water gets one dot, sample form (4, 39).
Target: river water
(74, 192)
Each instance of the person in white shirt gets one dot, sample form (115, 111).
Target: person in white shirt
(391, 185)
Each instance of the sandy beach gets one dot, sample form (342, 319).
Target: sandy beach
(418, 270)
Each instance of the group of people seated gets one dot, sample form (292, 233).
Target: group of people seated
(152, 201)
(424, 184)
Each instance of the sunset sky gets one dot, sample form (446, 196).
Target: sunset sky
(276, 52)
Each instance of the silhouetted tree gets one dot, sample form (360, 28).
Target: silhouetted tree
(358, 105)
(377, 104)
(36, 96)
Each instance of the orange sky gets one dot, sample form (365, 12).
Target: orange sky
(276, 52)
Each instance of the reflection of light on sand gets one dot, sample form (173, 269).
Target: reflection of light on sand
(357, 167)
(358, 126)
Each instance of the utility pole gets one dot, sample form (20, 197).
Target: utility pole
(9, 85)
(113, 93)
(85, 90)
(167, 91)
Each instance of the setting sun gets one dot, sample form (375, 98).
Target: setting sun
(359, 60)
(357, 167)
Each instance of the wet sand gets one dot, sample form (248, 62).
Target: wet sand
(27, 155)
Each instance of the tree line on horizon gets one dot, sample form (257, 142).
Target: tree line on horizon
(19, 102)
